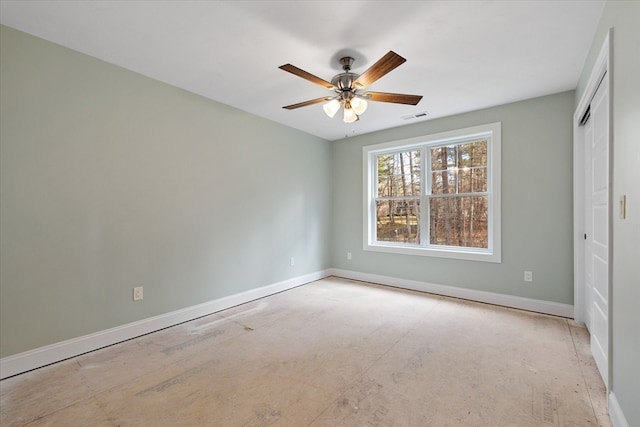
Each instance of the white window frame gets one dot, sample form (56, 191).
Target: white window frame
(492, 132)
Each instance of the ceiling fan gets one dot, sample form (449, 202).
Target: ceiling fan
(349, 87)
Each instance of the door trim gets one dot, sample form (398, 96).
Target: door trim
(601, 68)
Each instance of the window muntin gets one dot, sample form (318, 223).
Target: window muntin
(436, 195)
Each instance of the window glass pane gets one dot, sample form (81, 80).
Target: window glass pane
(414, 181)
(397, 221)
(479, 179)
(443, 182)
(464, 155)
(443, 157)
(459, 221)
(478, 153)
(437, 161)
(472, 154)
(384, 187)
(472, 180)
(464, 180)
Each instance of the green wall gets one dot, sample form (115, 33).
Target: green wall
(111, 180)
(624, 18)
(537, 211)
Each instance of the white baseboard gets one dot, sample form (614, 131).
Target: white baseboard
(540, 306)
(42, 356)
(615, 412)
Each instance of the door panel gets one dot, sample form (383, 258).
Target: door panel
(597, 213)
(588, 224)
(600, 273)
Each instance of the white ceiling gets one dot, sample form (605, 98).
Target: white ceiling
(461, 55)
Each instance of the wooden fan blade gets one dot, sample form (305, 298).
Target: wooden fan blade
(384, 65)
(310, 102)
(307, 76)
(396, 98)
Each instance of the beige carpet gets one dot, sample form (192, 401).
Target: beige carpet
(331, 353)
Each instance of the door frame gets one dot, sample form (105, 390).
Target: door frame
(602, 67)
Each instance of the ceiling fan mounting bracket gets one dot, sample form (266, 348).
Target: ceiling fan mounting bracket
(346, 63)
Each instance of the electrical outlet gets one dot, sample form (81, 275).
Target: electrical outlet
(349, 255)
(292, 261)
(137, 293)
(528, 276)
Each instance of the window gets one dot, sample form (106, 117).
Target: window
(437, 195)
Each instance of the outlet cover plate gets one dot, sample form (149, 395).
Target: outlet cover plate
(137, 293)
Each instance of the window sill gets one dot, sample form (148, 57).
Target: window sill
(447, 252)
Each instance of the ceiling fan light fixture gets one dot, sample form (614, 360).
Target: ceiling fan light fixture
(350, 116)
(331, 107)
(358, 105)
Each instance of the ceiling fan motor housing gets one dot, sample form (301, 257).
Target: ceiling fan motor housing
(344, 82)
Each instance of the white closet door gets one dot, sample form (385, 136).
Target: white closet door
(597, 226)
